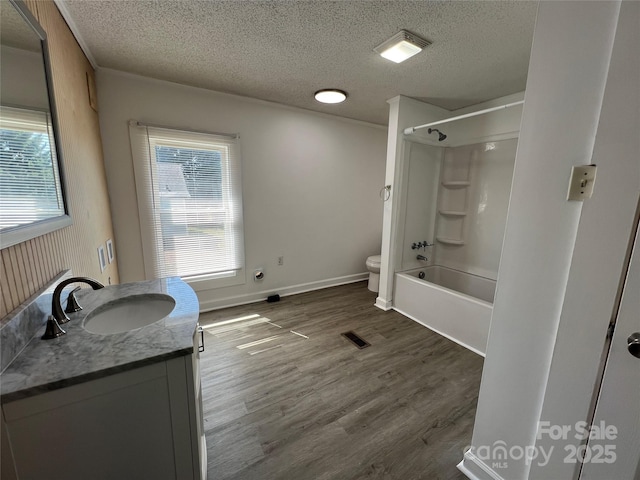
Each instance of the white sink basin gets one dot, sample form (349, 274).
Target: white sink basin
(129, 313)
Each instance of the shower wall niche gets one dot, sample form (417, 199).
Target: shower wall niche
(453, 200)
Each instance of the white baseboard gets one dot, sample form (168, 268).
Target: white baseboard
(218, 303)
(476, 469)
(461, 466)
(383, 304)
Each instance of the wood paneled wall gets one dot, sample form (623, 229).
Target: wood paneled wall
(27, 267)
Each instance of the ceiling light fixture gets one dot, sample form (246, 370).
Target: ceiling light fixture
(401, 46)
(331, 95)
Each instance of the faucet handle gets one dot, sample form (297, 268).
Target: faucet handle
(52, 329)
(72, 302)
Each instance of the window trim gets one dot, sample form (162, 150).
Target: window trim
(145, 170)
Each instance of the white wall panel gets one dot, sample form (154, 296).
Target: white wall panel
(310, 181)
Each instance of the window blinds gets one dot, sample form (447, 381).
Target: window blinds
(190, 202)
(30, 188)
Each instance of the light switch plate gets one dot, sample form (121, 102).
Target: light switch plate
(581, 183)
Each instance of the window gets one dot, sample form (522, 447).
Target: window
(190, 203)
(30, 189)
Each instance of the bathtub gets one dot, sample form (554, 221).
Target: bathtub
(454, 304)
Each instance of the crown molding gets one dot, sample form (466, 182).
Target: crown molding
(62, 7)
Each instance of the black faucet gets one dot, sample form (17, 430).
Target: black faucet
(56, 304)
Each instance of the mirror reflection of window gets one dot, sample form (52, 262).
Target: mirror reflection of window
(29, 181)
(31, 194)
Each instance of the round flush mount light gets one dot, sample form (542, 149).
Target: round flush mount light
(331, 95)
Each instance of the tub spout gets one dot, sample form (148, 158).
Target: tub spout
(423, 258)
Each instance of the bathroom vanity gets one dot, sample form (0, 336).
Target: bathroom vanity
(114, 405)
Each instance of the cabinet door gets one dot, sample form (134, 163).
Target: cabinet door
(114, 427)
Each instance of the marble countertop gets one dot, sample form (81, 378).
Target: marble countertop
(80, 356)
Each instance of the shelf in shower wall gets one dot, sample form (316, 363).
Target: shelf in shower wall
(452, 213)
(456, 184)
(450, 241)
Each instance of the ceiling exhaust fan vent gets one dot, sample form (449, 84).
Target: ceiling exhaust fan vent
(402, 36)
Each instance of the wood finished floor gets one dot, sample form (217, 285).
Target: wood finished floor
(313, 408)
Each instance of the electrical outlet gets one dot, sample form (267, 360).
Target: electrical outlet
(281, 260)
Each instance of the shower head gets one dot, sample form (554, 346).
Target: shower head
(441, 136)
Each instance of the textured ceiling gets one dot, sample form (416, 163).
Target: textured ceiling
(283, 51)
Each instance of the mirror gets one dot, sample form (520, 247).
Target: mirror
(32, 199)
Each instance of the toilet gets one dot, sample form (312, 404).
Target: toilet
(373, 265)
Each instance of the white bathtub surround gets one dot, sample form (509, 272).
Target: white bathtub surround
(418, 208)
(472, 206)
(480, 156)
(455, 194)
(454, 304)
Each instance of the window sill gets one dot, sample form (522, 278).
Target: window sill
(211, 282)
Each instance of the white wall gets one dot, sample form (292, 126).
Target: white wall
(310, 182)
(567, 74)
